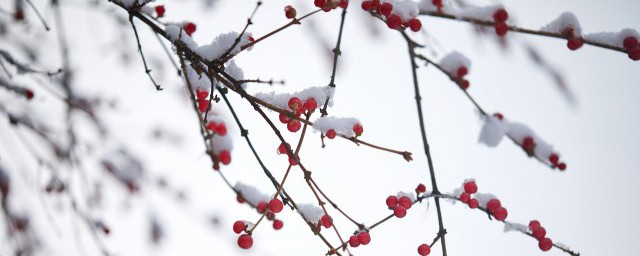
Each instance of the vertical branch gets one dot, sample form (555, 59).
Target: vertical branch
(336, 53)
(144, 61)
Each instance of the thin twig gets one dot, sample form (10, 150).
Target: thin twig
(144, 61)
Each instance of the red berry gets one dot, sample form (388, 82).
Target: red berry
(630, 42)
(240, 199)
(500, 213)
(437, 3)
(271, 215)
(405, 202)
(275, 205)
(634, 53)
(295, 103)
(357, 128)
(221, 129)
(534, 224)
(464, 84)
(545, 244)
(320, 3)
(160, 11)
(562, 166)
(528, 143)
(201, 94)
(294, 126)
(343, 4)
(386, 8)
(501, 28)
(539, 233)
(568, 32)
(290, 12)
(203, 105)
(28, 94)
(245, 241)
(277, 224)
(284, 118)
(367, 5)
(392, 202)
(394, 21)
(424, 249)
(310, 104)
(292, 161)
(400, 211)
(225, 157)
(470, 187)
(493, 204)
(261, 207)
(189, 28)
(501, 15)
(574, 43)
(326, 221)
(473, 203)
(251, 39)
(239, 226)
(464, 197)
(421, 188)
(462, 71)
(415, 25)
(364, 238)
(553, 158)
(331, 133)
(282, 149)
(353, 241)
(376, 4)
(499, 116)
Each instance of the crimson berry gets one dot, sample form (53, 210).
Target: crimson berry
(203, 105)
(437, 3)
(284, 118)
(539, 233)
(189, 28)
(394, 21)
(282, 149)
(493, 204)
(221, 129)
(277, 224)
(28, 94)
(225, 157)
(201, 94)
(500, 213)
(415, 25)
(239, 226)
(464, 84)
(251, 39)
(160, 11)
(392, 202)
(310, 104)
(568, 32)
(245, 241)
(364, 238)
(424, 249)
(499, 116)
(553, 158)
(473, 203)
(320, 3)
(386, 8)
(462, 71)
(292, 161)
(501, 15)
(545, 244)
(240, 199)
(534, 224)
(357, 128)
(211, 126)
(261, 207)
(275, 205)
(367, 5)
(376, 4)
(574, 43)
(562, 166)
(331, 133)
(630, 42)
(464, 197)
(501, 28)
(405, 202)
(528, 143)
(290, 12)
(294, 126)
(353, 241)
(421, 188)
(294, 103)
(400, 211)
(271, 215)
(326, 221)
(343, 4)
(470, 187)
(634, 53)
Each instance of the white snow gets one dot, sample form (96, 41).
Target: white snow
(454, 60)
(483, 198)
(251, 194)
(566, 20)
(407, 9)
(513, 226)
(131, 3)
(410, 195)
(221, 44)
(613, 38)
(342, 125)
(477, 12)
(221, 143)
(175, 33)
(311, 212)
(198, 81)
(281, 100)
(492, 131)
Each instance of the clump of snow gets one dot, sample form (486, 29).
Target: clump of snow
(513, 226)
(221, 143)
(613, 38)
(311, 212)
(281, 100)
(198, 81)
(176, 33)
(131, 3)
(341, 125)
(563, 246)
(483, 198)
(566, 20)
(453, 61)
(221, 44)
(251, 194)
(406, 9)
(236, 72)
(492, 131)
(410, 195)
(477, 12)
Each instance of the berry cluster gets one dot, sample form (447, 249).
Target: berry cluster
(394, 20)
(500, 18)
(633, 47)
(460, 74)
(573, 41)
(424, 249)
(328, 5)
(295, 104)
(325, 221)
(544, 243)
(529, 145)
(282, 149)
(360, 238)
(493, 206)
(245, 241)
(399, 205)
